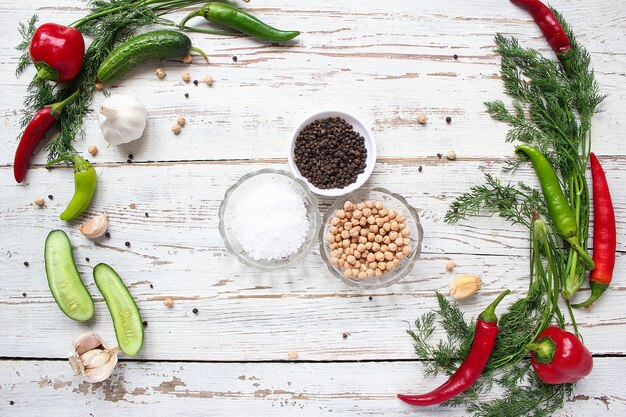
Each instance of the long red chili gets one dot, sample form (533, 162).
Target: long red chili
(472, 367)
(34, 133)
(604, 234)
(551, 29)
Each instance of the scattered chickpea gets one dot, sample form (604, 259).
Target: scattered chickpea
(39, 201)
(160, 72)
(451, 155)
(187, 59)
(176, 128)
(208, 80)
(93, 149)
(181, 121)
(99, 85)
(421, 119)
(168, 302)
(450, 266)
(292, 355)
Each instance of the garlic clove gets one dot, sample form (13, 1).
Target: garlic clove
(96, 226)
(92, 358)
(464, 286)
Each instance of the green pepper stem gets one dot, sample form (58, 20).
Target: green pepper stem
(57, 108)
(200, 12)
(544, 349)
(45, 72)
(489, 314)
(80, 164)
(198, 50)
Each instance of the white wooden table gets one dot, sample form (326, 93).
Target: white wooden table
(384, 61)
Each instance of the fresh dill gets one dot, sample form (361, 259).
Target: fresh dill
(551, 111)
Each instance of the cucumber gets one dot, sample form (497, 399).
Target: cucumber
(124, 312)
(64, 281)
(141, 48)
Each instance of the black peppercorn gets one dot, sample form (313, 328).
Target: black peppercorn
(345, 335)
(129, 161)
(455, 56)
(26, 263)
(439, 155)
(151, 286)
(23, 294)
(448, 119)
(195, 82)
(107, 235)
(11, 402)
(195, 311)
(130, 156)
(87, 259)
(145, 324)
(146, 214)
(419, 168)
(370, 298)
(127, 244)
(234, 59)
(186, 95)
(50, 196)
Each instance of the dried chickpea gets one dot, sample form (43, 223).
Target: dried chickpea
(387, 227)
(360, 206)
(360, 247)
(345, 243)
(378, 205)
(392, 247)
(367, 212)
(383, 248)
(347, 206)
(382, 266)
(176, 128)
(355, 272)
(406, 250)
(394, 225)
(335, 221)
(368, 246)
(187, 58)
(99, 85)
(371, 219)
(168, 302)
(393, 235)
(406, 232)
(450, 265)
(400, 218)
(347, 273)
(406, 241)
(39, 201)
(354, 232)
(369, 204)
(341, 214)
(387, 240)
(399, 241)
(371, 258)
(373, 265)
(369, 272)
(380, 256)
(351, 260)
(208, 80)
(362, 275)
(389, 256)
(345, 234)
(93, 150)
(363, 221)
(357, 254)
(160, 72)
(375, 246)
(334, 261)
(378, 239)
(378, 272)
(374, 228)
(392, 214)
(186, 77)
(370, 237)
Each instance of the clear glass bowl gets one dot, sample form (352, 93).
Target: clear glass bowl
(391, 201)
(239, 189)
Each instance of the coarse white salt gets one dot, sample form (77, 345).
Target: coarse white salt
(270, 221)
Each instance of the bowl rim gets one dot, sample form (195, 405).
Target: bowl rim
(408, 267)
(303, 250)
(361, 179)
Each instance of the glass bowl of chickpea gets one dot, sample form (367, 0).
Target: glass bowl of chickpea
(371, 238)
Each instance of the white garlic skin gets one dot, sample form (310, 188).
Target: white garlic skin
(122, 118)
(91, 358)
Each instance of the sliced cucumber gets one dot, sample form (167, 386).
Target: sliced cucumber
(124, 312)
(64, 281)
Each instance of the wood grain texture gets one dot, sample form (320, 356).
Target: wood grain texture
(386, 63)
(259, 390)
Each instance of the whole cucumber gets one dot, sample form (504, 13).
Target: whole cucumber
(141, 48)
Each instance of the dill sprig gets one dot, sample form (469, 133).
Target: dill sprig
(551, 111)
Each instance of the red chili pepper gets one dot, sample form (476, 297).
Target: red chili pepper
(35, 131)
(551, 29)
(472, 367)
(604, 231)
(559, 357)
(57, 52)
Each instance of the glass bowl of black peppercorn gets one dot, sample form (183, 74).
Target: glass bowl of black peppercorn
(371, 238)
(333, 152)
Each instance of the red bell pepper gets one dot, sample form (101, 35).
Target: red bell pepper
(34, 133)
(559, 357)
(57, 52)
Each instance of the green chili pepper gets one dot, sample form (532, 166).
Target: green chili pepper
(560, 212)
(241, 21)
(84, 182)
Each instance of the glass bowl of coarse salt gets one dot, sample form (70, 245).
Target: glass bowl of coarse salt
(269, 219)
(371, 238)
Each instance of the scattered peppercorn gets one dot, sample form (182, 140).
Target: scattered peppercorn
(26, 263)
(455, 56)
(186, 95)
(455, 209)
(130, 156)
(234, 59)
(195, 82)
(195, 311)
(50, 197)
(87, 259)
(23, 294)
(419, 168)
(329, 153)
(151, 286)
(370, 298)
(107, 234)
(146, 214)
(130, 161)
(439, 155)
(11, 402)
(127, 244)
(145, 324)
(345, 335)
(448, 119)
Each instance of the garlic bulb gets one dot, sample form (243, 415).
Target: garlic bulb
(92, 358)
(465, 285)
(122, 118)
(96, 226)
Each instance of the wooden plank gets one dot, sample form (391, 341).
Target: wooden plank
(245, 314)
(384, 65)
(259, 389)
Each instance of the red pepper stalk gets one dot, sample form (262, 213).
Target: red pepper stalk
(551, 29)
(57, 52)
(34, 133)
(559, 357)
(604, 231)
(472, 367)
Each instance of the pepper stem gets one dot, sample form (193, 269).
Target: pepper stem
(57, 108)
(596, 292)
(198, 50)
(199, 12)
(45, 72)
(489, 314)
(544, 349)
(80, 164)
